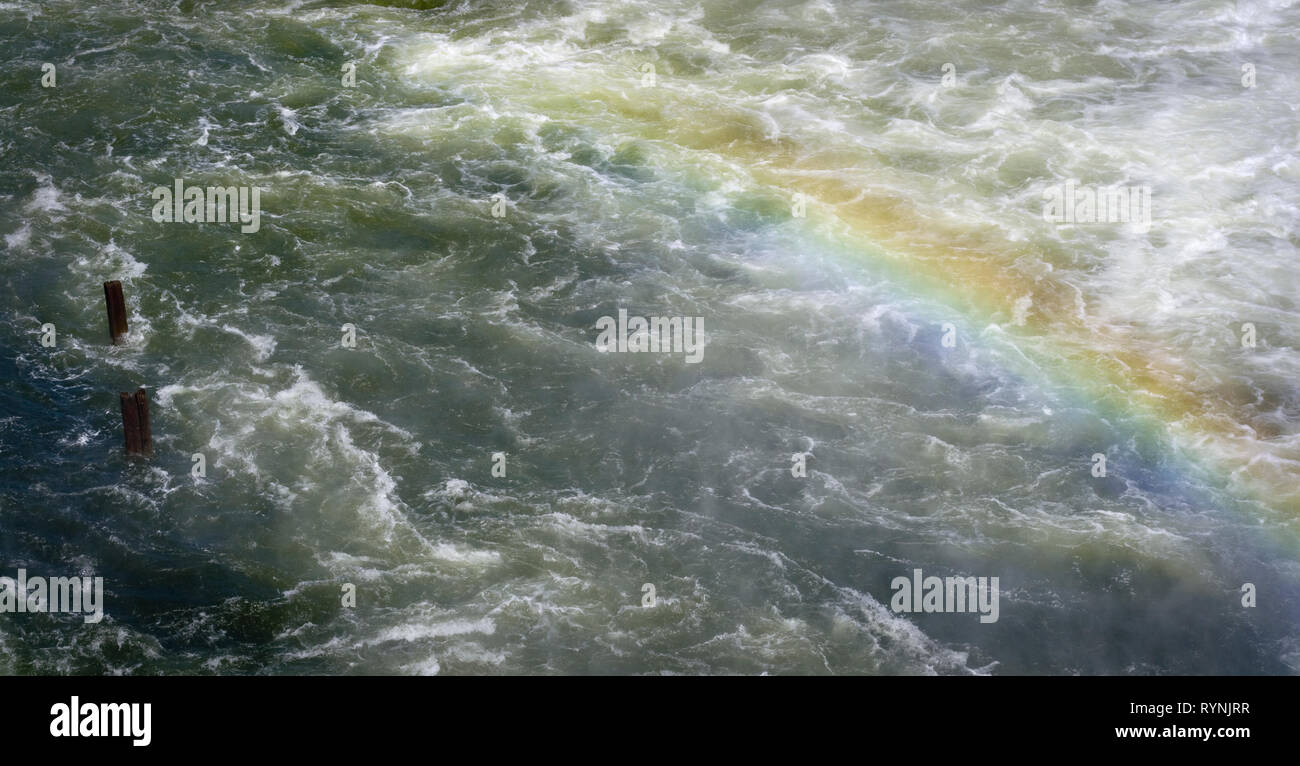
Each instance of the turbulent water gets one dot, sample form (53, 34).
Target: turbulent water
(848, 194)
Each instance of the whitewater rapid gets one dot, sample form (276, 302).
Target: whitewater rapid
(850, 196)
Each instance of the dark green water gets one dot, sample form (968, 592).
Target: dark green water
(371, 466)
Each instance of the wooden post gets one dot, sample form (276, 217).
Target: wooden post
(116, 310)
(135, 422)
(130, 423)
(142, 416)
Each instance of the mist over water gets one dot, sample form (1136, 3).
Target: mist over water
(646, 155)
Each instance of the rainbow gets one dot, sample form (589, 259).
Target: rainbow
(979, 272)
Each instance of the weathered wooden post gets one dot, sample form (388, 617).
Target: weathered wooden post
(116, 310)
(135, 422)
(142, 416)
(130, 423)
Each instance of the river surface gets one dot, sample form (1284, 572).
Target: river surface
(848, 195)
